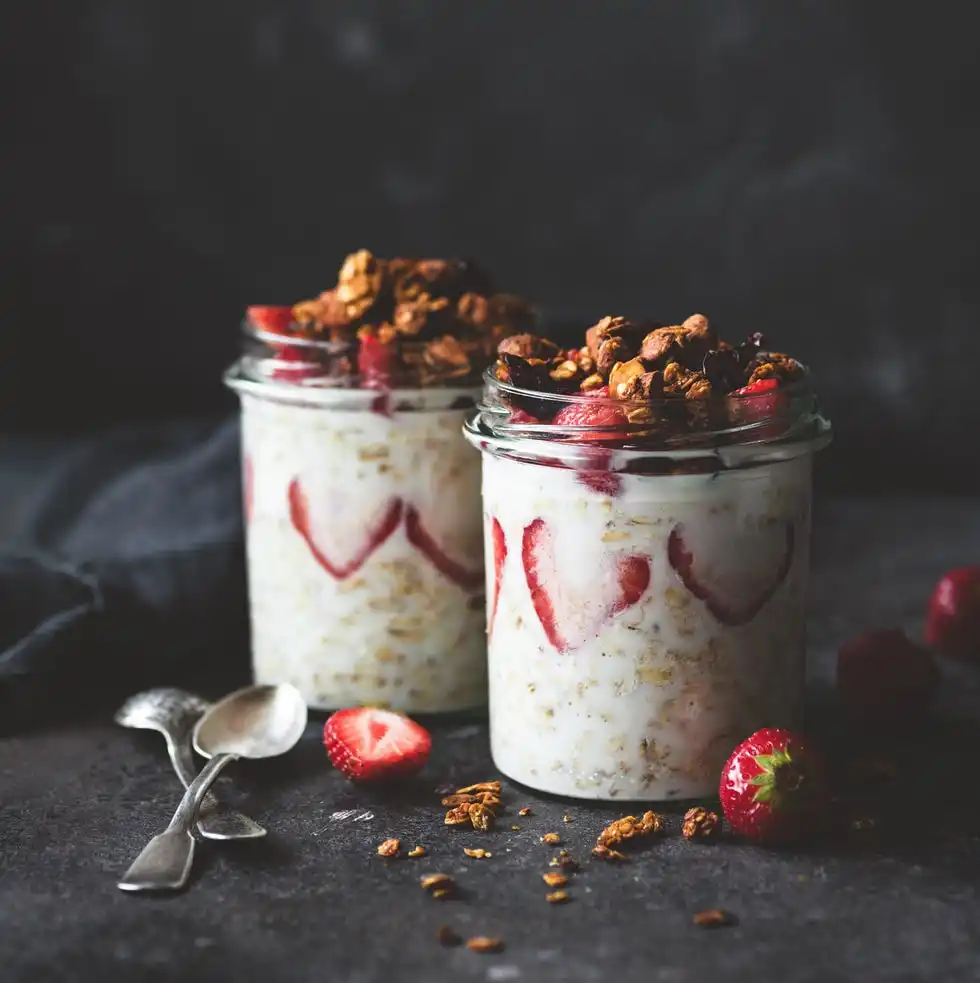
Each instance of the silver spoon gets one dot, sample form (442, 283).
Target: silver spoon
(174, 712)
(256, 722)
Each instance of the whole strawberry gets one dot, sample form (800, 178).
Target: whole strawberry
(774, 787)
(953, 617)
(883, 679)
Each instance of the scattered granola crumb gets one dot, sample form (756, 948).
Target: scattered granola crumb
(552, 839)
(566, 819)
(556, 897)
(864, 824)
(622, 830)
(418, 851)
(479, 853)
(442, 892)
(516, 829)
(713, 918)
(484, 943)
(436, 881)
(526, 811)
(563, 860)
(389, 848)
(554, 879)
(700, 824)
(447, 937)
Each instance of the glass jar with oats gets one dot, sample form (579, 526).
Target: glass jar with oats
(646, 505)
(361, 498)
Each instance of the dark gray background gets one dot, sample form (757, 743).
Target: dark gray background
(808, 169)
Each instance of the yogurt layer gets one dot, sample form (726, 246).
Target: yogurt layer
(364, 550)
(640, 626)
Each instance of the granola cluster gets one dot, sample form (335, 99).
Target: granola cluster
(642, 363)
(622, 831)
(475, 805)
(431, 321)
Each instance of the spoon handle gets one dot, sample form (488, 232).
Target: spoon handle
(165, 862)
(216, 820)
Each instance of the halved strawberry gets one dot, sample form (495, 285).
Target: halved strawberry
(368, 744)
(573, 602)
(499, 543)
(759, 401)
(374, 361)
(756, 562)
(274, 320)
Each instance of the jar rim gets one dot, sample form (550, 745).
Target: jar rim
(674, 424)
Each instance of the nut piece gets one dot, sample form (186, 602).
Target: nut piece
(484, 943)
(359, 283)
(418, 851)
(447, 937)
(700, 824)
(566, 819)
(554, 879)
(389, 848)
(433, 882)
(481, 817)
(479, 853)
(713, 918)
(623, 830)
(556, 897)
(552, 839)
(458, 816)
(526, 811)
(563, 860)
(474, 805)
(480, 787)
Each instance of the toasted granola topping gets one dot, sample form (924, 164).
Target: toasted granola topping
(700, 824)
(474, 805)
(555, 879)
(525, 811)
(418, 851)
(484, 943)
(389, 848)
(448, 937)
(556, 897)
(478, 853)
(622, 831)
(713, 918)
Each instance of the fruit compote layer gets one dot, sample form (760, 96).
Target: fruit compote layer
(364, 548)
(640, 625)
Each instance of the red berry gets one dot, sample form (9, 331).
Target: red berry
(521, 416)
(774, 787)
(374, 361)
(884, 679)
(274, 320)
(499, 543)
(589, 414)
(953, 618)
(368, 744)
(759, 386)
(758, 401)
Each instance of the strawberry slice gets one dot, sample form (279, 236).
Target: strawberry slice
(368, 744)
(274, 320)
(377, 532)
(499, 544)
(374, 362)
(422, 540)
(572, 601)
(592, 414)
(759, 401)
(756, 562)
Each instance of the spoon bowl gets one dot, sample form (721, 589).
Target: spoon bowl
(255, 722)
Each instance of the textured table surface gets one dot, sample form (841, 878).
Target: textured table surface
(313, 902)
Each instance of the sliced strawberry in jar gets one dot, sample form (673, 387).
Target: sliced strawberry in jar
(733, 571)
(369, 744)
(498, 543)
(574, 600)
(375, 361)
(467, 578)
(273, 320)
(594, 415)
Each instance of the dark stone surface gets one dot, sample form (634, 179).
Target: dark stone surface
(806, 169)
(313, 902)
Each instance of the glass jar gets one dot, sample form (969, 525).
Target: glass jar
(363, 532)
(645, 585)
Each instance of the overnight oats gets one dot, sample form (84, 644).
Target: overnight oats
(646, 517)
(361, 497)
